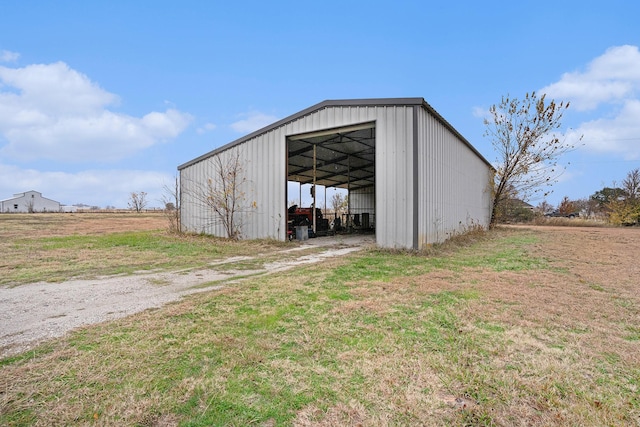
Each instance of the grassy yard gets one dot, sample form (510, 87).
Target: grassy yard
(56, 247)
(517, 327)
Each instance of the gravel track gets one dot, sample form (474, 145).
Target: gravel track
(33, 313)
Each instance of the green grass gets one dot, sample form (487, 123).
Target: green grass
(632, 333)
(59, 258)
(506, 254)
(360, 340)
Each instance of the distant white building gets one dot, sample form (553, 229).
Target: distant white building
(29, 201)
(68, 208)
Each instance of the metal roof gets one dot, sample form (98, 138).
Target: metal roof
(344, 156)
(338, 103)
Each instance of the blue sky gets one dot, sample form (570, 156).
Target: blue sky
(99, 99)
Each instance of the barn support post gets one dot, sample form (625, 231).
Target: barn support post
(325, 202)
(348, 193)
(314, 188)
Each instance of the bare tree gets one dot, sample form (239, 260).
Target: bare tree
(171, 202)
(138, 201)
(521, 132)
(544, 207)
(631, 185)
(585, 206)
(338, 202)
(223, 193)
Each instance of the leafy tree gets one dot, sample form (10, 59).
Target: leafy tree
(604, 197)
(138, 201)
(625, 209)
(620, 204)
(521, 132)
(503, 211)
(521, 213)
(623, 212)
(566, 206)
(515, 210)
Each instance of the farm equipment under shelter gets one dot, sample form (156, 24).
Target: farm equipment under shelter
(300, 217)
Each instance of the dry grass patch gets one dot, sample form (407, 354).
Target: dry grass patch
(58, 247)
(64, 224)
(522, 327)
(569, 222)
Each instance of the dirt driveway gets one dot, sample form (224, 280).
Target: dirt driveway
(30, 314)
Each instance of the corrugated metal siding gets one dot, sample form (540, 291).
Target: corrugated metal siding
(394, 177)
(449, 185)
(265, 169)
(364, 201)
(453, 183)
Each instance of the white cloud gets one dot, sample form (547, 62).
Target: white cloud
(208, 127)
(619, 135)
(54, 89)
(8, 56)
(91, 187)
(252, 121)
(610, 83)
(50, 111)
(611, 77)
